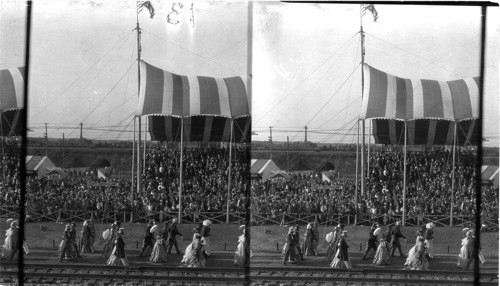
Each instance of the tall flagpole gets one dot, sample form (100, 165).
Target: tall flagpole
(362, 34)
(453, 174)
(180, 172)
(139, 169)
(404, 180)
(229, 173)
(356, 180)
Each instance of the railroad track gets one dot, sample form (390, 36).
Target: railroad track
(71, 274)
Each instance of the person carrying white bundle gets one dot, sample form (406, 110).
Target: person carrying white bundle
(205, 236)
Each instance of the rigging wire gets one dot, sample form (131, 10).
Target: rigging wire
(80, 76)
(106, 96)
(314, 85)
(307, 77)
(194, 53)
(413, 54)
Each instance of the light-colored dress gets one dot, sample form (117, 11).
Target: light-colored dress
(196, 258)
(382, 256)
(159, 252)
(463, 254)
(241, 251)
(418, 260)
(412, 250)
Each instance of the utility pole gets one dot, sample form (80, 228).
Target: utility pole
(287, 153)
(270, 142)
(305, 139)
(63, 160)
(46, 140)
(81, 131)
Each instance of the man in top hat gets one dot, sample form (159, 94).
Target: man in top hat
(149, 239)
(396, 235)
(372, 242)
(172, 240)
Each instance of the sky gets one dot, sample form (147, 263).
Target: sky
(305, 59)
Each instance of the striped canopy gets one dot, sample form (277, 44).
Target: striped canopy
(12, 88)
(199, 129)
(390, 97)
(427, 132)
(11, 122)
(166, 93)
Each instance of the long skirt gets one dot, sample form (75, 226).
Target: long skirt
(410, 255)
(85, 244)
(240, 254)
(107, 249)
(115, 260)
(294, 254)
(309, 247)
(330, 252)
(340, 264)
(207, 245)
(382, 256)
(429, 244)
(463, 257)
(196, 259)
(159, 252)
(187, 253)
(418, 261)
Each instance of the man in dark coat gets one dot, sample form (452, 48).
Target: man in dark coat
(372, 242)
(72, 235)
(290, 244)
(65, 248)
(149, 239)
(296, 236)
(396, 235)
(172, 240)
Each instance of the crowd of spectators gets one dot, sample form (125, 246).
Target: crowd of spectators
(9, 172)
(205, 180)
(429, 177)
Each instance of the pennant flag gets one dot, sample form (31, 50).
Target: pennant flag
(389, 97)
(12, 89)
(147, 5)
(371, 8)
(166, 93)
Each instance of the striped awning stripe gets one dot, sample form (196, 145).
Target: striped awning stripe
(199, 129)
(166, 93)
(12, 88)
(427, 132)
(11, 122)
(390, 97)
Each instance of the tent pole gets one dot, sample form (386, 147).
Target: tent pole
(139, 169)
(404, 181)
(1, 138)
(144, 147)
(356, 180)
(229, 173)
(362, 36)
(133, 164)
(369, 143)
(453, 174)
(180, 172)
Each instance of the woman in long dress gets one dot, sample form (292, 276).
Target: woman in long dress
(109, 235)
(159, 252)
(420, 236)
(85, 239)
(332, 247)
(189, 249)
(341, 259)
(196, 258)
(429, 240)
(418, 259)
(308, 248)
(464, 253)
(382, 256)
(117, 257)
(242, 253)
